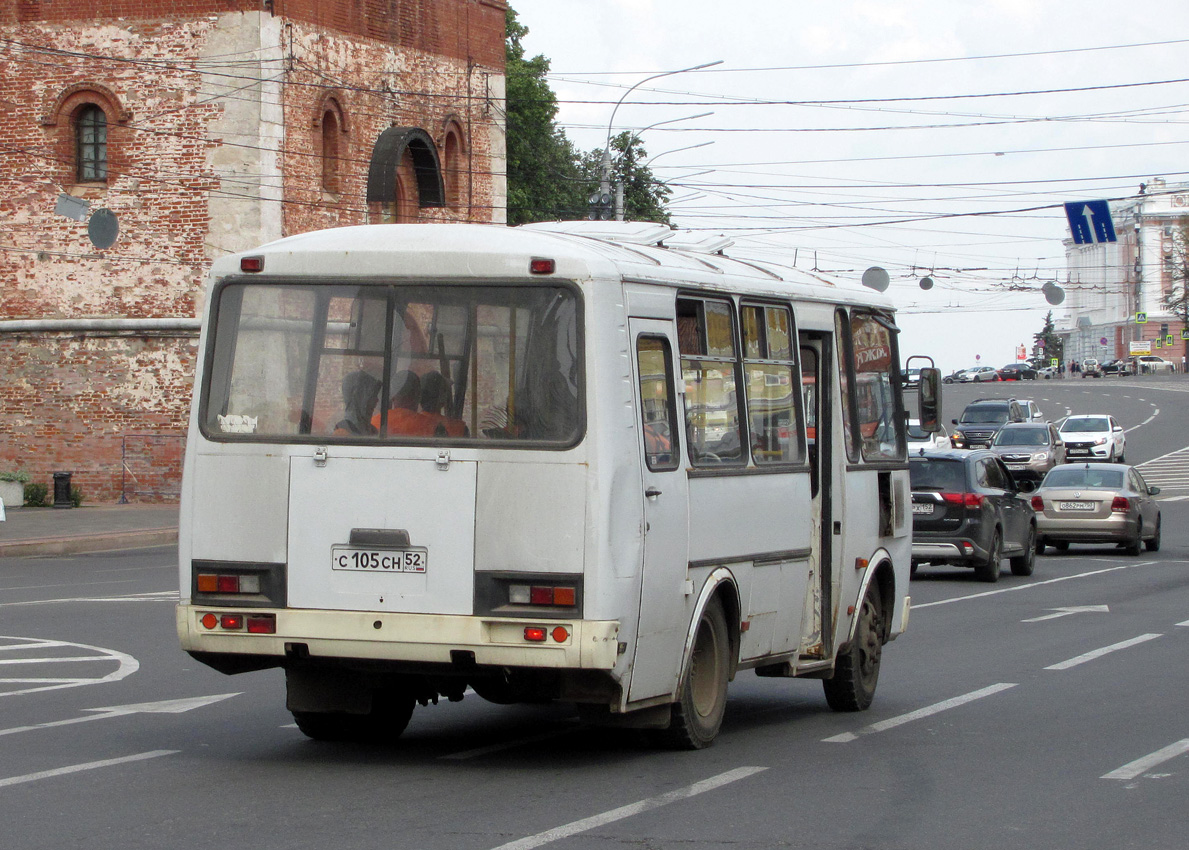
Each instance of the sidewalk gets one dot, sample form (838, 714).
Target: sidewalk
(90, 528)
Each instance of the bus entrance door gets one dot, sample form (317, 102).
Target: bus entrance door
(664, 596)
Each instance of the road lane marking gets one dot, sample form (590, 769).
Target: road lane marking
(159, 596)
(1098, 653)
(586, 824)
(169, 706)
(126, 665)
(1068, 611)
(1034, 584)
(1143, 765)
(79, 768)
(920, 713)
(1185, 623)
(507, 745)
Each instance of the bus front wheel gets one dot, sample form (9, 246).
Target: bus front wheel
(856, 671)
(697, 716)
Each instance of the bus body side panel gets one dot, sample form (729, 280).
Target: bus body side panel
(242, 514)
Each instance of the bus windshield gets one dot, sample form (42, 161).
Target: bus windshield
(403, 363)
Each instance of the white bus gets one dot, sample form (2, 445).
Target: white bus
(580, 461)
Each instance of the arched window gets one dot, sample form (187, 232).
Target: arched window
(90, 135)
(330, 151)
(453, 164)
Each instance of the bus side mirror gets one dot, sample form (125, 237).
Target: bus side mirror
(929, 400)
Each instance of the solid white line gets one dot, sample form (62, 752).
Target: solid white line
(1185, 623)
(928, 710)
(632, 809)
(1098, 653)
(1031, 585)
(79, 768)
(1139, 766)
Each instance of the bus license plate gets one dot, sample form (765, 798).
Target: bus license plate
(379, 560)
(1075, 506)
(922, 508)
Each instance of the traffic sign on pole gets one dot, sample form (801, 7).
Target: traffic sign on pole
(1090, 222)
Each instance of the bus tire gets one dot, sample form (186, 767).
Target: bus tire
(856, 671)
(697, 716)
(390, 714)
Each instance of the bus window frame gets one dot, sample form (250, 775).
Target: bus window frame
(852, 434)
(219, 352)
(801, 455)
(700, 299)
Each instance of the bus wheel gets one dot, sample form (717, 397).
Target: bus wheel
(386, 721)
(856, 671)
(697, 716)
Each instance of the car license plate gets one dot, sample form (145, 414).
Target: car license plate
(1076, 506)
(1078, 452)
(1016, 466)
(922, 507)
(379, 560)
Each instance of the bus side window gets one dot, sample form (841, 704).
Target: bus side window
(657, 411)
(709, 368)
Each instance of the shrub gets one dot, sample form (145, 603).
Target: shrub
(36, 495)
(20, 477)
(76, 496)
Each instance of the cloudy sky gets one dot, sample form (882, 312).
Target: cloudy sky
(928, 137)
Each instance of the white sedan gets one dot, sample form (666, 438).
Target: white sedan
(921, 439)
(1093, 436)
(978, 374)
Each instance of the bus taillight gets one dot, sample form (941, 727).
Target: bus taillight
(564, 596)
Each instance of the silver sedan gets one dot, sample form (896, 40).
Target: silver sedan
(1096, 503)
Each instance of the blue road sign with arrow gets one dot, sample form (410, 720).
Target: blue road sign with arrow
(1090, 222)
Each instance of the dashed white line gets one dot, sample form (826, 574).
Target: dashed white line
(1142, 765)
(927, 711)
(1098, 653)
(627, 811)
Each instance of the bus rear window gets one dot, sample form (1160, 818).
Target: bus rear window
(394, 363)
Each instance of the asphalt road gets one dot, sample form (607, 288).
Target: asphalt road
(1039, 712)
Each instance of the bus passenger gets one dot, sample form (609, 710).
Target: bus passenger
(361, 392)
(435, 396)
(403, 416)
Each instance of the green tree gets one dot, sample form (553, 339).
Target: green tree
(544, 177)
(1046, 345)
(644, 197)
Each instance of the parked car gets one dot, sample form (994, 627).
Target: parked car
(1147, 364)
(1017, 372)
(1096, 503)
(919, 439)
(979, 374)
(1031, 410)
(912, 378)
(981, 419)
(1093, 436)
(1090, 368)
(1117, 367)
(967, 511)
(954, 377)
(1029, 449)
(1047, 372)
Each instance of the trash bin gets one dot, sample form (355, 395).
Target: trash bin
(62, 490)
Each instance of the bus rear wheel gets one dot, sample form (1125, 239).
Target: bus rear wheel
(390, 714)
(697, 716)
(856, 671)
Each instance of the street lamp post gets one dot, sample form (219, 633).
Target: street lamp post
(605, 181)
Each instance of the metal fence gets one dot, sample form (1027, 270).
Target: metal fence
(151, 466)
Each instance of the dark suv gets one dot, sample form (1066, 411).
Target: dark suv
(967, 511)
(981, 419)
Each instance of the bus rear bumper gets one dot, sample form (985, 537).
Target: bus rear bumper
(420, 638)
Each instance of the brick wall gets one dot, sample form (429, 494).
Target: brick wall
(202, 161)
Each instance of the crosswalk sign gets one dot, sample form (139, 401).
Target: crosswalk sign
(1141, 318)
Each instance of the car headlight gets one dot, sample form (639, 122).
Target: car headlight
(1100, 441)
(1041, 456)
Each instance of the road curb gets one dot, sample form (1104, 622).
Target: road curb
(89, 543)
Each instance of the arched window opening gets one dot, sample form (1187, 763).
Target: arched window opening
(90, 132)
(454, 165)
(331, 153)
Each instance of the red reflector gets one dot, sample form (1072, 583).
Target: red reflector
(209, 621)
(207, 583)
(234, 622)
(564, 596)
(228, 584)
(251, 264)
(534, 633)
(540, 596)
(560, 634)
(541, 265)
(262, 624)
(1120, 504)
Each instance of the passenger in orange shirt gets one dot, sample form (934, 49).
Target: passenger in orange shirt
(435, 396)
(403, 416)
